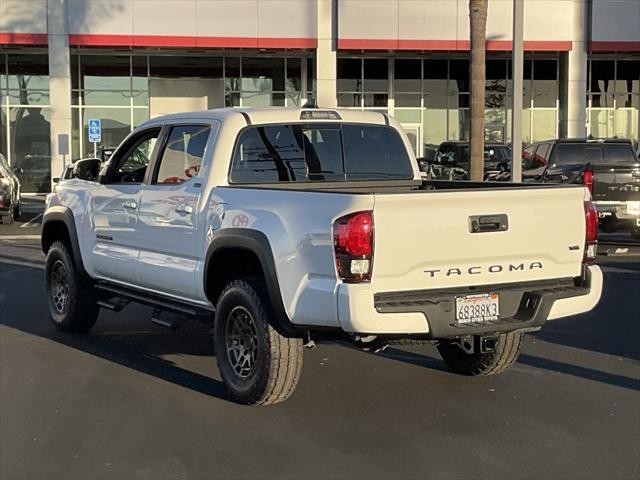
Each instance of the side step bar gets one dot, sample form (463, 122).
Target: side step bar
(128, 294)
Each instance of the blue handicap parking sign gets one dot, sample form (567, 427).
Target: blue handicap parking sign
(95, 130)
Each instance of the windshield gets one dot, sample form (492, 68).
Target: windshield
(319, 152)
(492, 153)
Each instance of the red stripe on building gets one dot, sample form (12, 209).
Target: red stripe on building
(23, 38)
(366, 44)
(92, 40)
(614, 46)
(449, 45)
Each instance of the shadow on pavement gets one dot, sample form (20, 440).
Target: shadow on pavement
(141, 349)
(129, 343)
(612, 327)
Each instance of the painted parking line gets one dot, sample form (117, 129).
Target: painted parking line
(19, 237)
(32, 222)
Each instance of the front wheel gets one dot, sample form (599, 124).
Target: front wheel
(504, 355)
(257, 364)
(71, 296)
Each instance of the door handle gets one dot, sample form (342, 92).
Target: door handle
(489, 223)
(129, 204)
(187, 209)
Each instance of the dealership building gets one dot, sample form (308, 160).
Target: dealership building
(64, 62)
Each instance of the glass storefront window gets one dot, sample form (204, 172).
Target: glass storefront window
(459, 76)
(602, 78)
(116, 125)
(30, 147)
(376, 76)
(545, 83)
(293, 86)
(408, 77)
(349, 73)
(232, 74)
(105, 72)
(614, 98)
(27, 72)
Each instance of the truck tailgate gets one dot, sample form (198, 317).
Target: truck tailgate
(423, 240)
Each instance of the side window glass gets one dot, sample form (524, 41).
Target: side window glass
(528, 157)
(132, 166)
(182, 156)
(541, 155)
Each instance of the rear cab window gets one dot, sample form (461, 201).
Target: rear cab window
(577, 153)
(319, 152)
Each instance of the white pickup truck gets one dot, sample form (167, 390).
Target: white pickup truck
(281, 223)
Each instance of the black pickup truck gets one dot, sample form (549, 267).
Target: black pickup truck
(609, 167)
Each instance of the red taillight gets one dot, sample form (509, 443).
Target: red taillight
(591, 232)
(353, 246)
(587, 179)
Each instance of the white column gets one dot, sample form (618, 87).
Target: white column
(517, 74)
(577, 71)
(59, 85)
(326, 93)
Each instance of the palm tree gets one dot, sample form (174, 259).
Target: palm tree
(478, 31)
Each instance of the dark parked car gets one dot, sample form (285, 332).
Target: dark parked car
(452, 160)
(609, 167)
(10, 206)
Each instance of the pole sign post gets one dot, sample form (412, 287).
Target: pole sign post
(95, 134)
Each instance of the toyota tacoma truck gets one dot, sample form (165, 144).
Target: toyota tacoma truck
(285, 224)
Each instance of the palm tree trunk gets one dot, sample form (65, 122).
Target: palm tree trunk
(478, 31)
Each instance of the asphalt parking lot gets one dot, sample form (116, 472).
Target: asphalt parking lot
(134, 400)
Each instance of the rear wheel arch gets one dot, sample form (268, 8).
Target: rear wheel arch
(240, 253)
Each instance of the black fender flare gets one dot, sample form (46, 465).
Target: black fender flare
(61, 214)
(257, 243)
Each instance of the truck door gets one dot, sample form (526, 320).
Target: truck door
(167, 219)
(114, 208)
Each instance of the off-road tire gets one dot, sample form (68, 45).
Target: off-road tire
(482, 364)
(79, 311)
(275, 372)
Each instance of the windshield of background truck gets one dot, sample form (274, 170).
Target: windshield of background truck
(327, 152)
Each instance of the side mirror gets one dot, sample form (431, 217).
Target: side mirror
(55, 179)
(87, 169)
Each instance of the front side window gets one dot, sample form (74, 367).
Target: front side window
(319, 152)
(131, 165)
(183, 154)
(528, 158)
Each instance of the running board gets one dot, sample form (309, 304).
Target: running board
(145, 298)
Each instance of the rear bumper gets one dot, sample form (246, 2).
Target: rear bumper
(431, 312)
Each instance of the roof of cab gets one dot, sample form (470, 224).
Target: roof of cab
(265, 115)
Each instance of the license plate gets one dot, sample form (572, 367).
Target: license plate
(484, 307)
